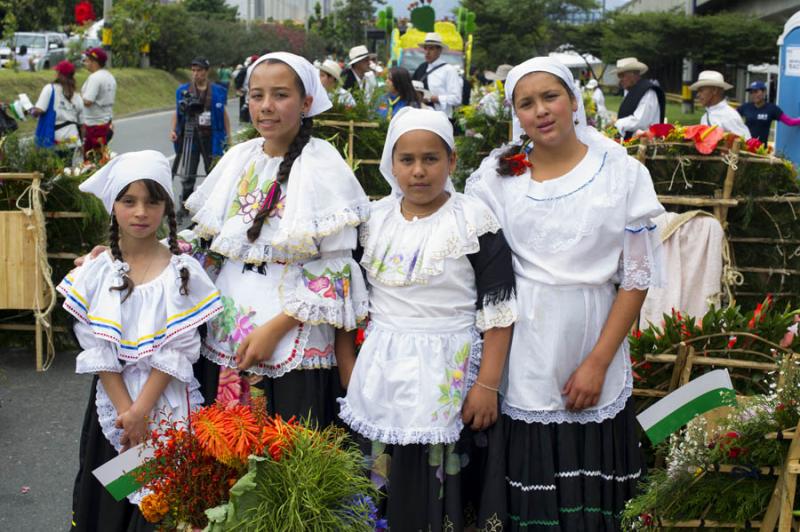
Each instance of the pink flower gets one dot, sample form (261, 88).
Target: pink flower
(243, 328)
(319, 284)
(229, 389)
(791, 332)
(184, 246)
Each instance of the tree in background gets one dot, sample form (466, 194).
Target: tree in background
(346, 25)
(510, 31)
(217, 9)
(662, 40)
(133, 27)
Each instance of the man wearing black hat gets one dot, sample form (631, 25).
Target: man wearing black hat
(759, 114)
(200, 125)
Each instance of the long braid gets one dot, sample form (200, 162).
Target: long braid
(295, 148)
(116, 252)
(173, 245)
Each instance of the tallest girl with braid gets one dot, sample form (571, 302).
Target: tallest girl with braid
(279, 212)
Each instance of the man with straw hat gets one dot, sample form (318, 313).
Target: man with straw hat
(711, 87)
(644, 103)
(330, 74)
(439, 77)
(359, 73)
(490, 104)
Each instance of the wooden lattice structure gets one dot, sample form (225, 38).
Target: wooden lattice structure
(24, 271)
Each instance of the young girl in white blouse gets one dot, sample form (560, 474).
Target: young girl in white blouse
(276, 220)
(137, 307)
(577, 212)
(439, 272)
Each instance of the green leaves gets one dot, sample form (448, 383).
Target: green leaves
(465, 21)
(423, 18)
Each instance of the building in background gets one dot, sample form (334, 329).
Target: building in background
(279, 10)
(775, 10)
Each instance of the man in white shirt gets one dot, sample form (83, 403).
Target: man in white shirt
(711, 87)
(98, 93)
(330, 74)
(359, 74)
(439, 77)
(599, 99)
(491, 103)
(644, 103)
(23, 60)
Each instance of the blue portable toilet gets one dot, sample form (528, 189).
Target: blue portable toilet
(787, 139)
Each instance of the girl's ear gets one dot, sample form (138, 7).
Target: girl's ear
(307, 104)
(452, 161)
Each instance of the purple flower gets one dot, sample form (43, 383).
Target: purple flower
(319, 284)
(243, 328)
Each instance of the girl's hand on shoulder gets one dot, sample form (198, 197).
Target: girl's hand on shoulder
(257, 346)
(585, 384)
(134, 427)
(480, 408)
(94, 253)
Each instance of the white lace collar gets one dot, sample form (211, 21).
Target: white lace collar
(399, 252)
(322, 197)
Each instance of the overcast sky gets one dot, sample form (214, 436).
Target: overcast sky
(445, 7)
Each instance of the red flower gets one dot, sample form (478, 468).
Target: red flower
(757, 315)
(731, 342)
(518, 163)
(753, 145)
(637, 334)
(360, 336)
(705, 137)
(660, 130)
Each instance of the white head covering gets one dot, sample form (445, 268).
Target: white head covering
(307, 74)
(410, 119)
(123, 170)
(586, 134)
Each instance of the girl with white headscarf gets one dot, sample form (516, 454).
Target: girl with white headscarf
(138, 307)
(276, 220)
(440, 273)
(577, 212)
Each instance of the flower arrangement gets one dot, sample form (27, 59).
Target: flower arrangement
(693, 484)
(220, 468)
(763, 334)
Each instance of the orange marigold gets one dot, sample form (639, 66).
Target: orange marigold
(154, 507)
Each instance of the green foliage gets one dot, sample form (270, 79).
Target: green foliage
(692, 487)
(483, 133)
(345, 26)
(385, 19)
(30, 15)
(216, 9)
(132, 27)
(319, 486)
(510, 31)
(760, 335)
(666, 37)
(749, 219)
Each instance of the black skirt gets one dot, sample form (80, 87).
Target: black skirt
(93, 507)
(567, 476)
(307, 394)
(426, 488)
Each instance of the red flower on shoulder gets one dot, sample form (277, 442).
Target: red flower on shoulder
(518, 163)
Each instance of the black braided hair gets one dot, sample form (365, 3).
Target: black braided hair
(113, 237)
(172, 222)
(295, 148)
(503, 162)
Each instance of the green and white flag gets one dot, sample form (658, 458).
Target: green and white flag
(118, 475)
(697, 397)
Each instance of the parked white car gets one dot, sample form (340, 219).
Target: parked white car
(46, 49)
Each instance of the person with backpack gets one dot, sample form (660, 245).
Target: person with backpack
(59, 109)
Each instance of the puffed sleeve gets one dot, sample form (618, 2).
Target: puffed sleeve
(176, 356)
(329, 289)
(494, 277)
(97, 355)
(641, 264)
